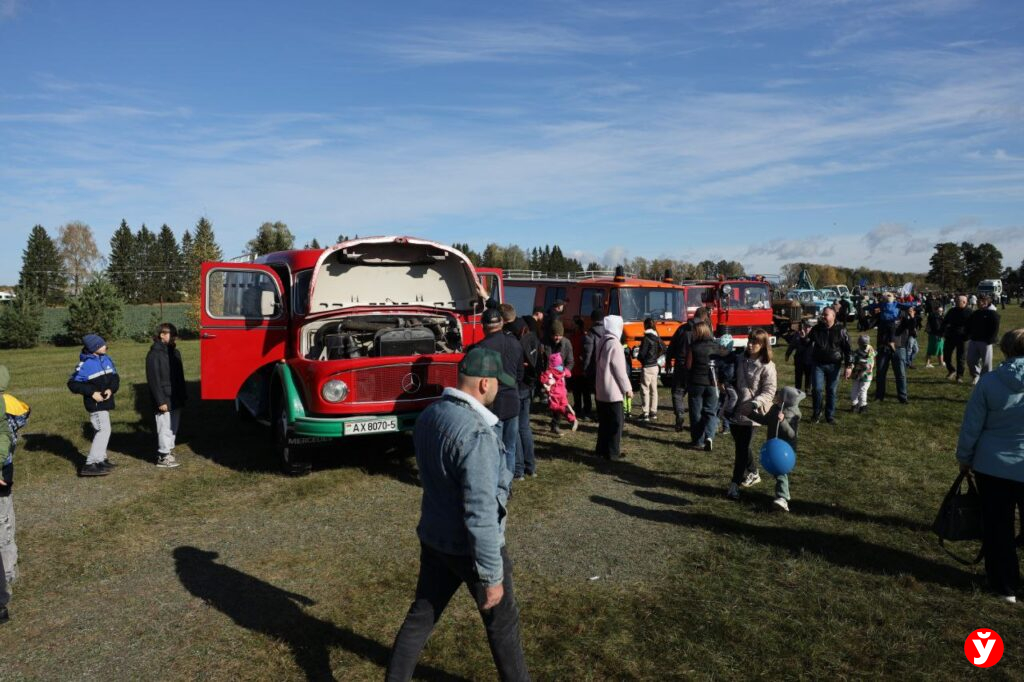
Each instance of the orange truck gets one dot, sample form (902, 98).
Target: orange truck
(614, 293)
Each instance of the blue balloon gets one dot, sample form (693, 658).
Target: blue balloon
(777, 457)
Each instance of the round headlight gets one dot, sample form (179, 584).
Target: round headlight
(334, 391)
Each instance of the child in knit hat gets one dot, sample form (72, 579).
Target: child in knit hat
(96, 380)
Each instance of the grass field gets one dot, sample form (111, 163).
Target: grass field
(222, 569)
(138, 319)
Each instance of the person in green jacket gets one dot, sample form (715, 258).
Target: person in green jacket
(15, 416)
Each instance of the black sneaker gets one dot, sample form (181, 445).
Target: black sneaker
(108, 465)
(93, 470)
(707, 445)
(831, 422)
(4, 615)
(904, 401)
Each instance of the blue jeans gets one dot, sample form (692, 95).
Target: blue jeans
(898, 359)
(508, 434)
(913, 348)
(826, 377)
(703, 413)
(526, 462)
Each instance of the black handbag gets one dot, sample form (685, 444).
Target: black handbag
(960, 517)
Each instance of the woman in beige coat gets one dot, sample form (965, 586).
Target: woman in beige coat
(756, 381)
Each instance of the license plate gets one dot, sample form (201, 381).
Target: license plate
(366, 426)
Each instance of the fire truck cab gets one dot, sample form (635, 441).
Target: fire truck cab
(612, 292)
(738, 306)
(350, 340)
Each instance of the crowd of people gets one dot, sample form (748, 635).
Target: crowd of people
(474, 443)
(460, 438)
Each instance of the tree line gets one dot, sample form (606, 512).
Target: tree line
(960, 267)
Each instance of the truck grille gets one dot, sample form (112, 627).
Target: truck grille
(740, 330)
(402, 383)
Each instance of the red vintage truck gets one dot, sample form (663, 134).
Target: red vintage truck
(738, 306)
(354, 339)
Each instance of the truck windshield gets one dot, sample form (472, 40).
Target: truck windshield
(638, 303)
(752, 296)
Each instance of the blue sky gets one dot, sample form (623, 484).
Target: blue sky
(840, 131)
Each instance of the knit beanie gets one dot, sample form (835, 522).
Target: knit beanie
(93, 342)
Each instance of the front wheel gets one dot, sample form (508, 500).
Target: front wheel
(289, 456)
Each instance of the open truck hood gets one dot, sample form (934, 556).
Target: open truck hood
(387, 272)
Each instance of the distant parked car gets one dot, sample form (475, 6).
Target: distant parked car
(7, 296)
(811, 301)
(836, 291)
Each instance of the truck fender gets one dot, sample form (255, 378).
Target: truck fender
(285, 389)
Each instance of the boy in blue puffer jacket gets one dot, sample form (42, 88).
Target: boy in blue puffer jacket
(96, 380)
(888, 311)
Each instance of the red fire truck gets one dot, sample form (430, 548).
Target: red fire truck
(738, 306)
(329, 343)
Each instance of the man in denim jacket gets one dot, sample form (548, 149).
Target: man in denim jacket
(462, 520)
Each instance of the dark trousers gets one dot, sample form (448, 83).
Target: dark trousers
(804, 378)
(826, 384)
(679, 395)
(441, 575)
(950, 345)
(744, 463)
(703, 413)
(609, 430)
(999, 500)
(526, 461)
(581, 397)
(898, 360)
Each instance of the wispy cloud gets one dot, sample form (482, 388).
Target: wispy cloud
(9, 9)
(446, 44)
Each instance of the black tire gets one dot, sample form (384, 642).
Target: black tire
(290, 457)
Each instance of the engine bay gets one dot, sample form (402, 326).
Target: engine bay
(361, 336)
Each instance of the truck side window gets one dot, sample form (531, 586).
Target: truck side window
(591, 300)
(245, 294)
(551, 294)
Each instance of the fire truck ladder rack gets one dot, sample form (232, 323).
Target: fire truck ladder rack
(561, 276)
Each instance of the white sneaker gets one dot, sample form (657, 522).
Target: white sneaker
(1008, 598)
(753, 478)
(167, 462)
(929, 365)
(734, 492)
(575, 424)
(781, 504)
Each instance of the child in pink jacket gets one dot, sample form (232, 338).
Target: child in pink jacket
(553, 381)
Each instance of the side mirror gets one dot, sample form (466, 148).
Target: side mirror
(268, 303)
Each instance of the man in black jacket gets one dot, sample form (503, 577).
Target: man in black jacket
(675, 360)
(982, 334)
(830, 350)
(506, 404)
(954, 333)
(165, 376)
(587, 364)
(894, 350)
(651, 348)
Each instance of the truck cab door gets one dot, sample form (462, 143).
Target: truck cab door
(243, 325)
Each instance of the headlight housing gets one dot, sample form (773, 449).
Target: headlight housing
(334, 391)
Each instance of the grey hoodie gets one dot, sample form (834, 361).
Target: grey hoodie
(790, 406)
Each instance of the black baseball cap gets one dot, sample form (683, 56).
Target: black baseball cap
(484, 362)
(492, 316)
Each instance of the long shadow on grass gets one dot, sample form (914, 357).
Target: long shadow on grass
(269, 610)
(57, 445)
(636, 475)
(840, 549)
(211, 429)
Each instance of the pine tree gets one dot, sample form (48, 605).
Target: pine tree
(146, 259)
(186, 260)
(204, 248)
(20, 322)
(947, 267)
(97, 310)
(168, 257)
(42, 271)
(313, 244)
(122, 268)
